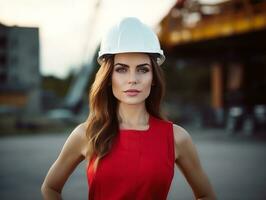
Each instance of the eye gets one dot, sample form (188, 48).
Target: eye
(121, 69)
(143, 69)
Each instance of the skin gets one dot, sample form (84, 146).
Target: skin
(133, 73)
(131, 70)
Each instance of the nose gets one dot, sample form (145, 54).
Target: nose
(132, 78)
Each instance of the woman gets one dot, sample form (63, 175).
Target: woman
(130, 148)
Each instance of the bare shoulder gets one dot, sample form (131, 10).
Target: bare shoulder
(78, 138)
(180, 134)
(80, 131)
(181, 138)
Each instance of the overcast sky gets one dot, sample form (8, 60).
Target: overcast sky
(69, 29)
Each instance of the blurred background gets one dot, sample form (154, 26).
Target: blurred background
(216, 85)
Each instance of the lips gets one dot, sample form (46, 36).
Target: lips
(132, 92)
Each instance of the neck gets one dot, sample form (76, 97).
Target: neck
(132, 115)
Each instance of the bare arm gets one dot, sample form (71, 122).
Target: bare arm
(70, 156)
(189, 164)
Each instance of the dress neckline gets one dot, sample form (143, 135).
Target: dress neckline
(137, 130)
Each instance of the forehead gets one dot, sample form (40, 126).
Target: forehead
(132, 58)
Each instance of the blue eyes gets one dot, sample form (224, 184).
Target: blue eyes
(124, 69)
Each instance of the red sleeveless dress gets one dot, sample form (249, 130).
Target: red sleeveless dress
(140, 165)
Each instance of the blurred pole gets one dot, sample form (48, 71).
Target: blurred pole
(217, 92)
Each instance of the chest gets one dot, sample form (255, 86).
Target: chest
(137, 160)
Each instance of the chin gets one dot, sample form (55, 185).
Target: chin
(132, 101)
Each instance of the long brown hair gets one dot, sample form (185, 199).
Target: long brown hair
(102, 123)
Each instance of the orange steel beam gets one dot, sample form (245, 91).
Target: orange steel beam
(252, 18)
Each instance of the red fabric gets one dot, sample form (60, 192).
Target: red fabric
(140, 165)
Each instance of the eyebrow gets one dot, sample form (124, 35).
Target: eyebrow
(125, 65)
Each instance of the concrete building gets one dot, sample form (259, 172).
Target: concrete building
(20, 79)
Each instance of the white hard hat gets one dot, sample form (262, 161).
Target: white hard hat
(130, 35)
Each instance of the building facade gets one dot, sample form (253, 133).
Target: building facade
(20, 79)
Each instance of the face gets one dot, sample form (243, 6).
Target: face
(132, 77)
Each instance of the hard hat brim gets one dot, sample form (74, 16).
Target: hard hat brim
(160, 58)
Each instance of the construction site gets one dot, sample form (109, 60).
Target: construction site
(215, 72)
